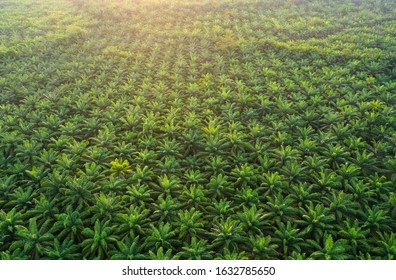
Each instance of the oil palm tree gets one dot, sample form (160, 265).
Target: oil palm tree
(105, 207)
(279, 208)
(159, 237)
(161, 255)
(132, 223)
(9, 223)
(303, 194)
(386, 247)
(227, 233)
(220, 209)
(248, 197)
(142, 175)
(99, 241)
(244, 175)
(165, 209)
(196, 250)
(376, 220)
(33, 239)
(263, 248)
(130, 249)
(356, 236)
(227, 254)
(216, 164)
(190, 224)
(316, 220)
(43, 210)
(69, 225)
(195, 196)
(331, 250)
(78, 192)
(289, 238)
(138, 194)
(219, 186)
(253, 220)
(273, 182)
(341, 205)
(65, 250)
(167, 185)
(21, 198)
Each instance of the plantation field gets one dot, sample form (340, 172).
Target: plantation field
(213, 129)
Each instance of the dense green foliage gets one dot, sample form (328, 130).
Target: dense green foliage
(245, 129)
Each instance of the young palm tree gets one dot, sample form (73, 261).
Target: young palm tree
(98, 241)
(227, 234)
(366, 161)
(220, 209)
(376, 220)
(9, 223)
(356, 236)
(279, 208)
(105, 207)
(195, 196)
(167, 185)
(326, 179)
(47, 157)
(361, 191)
(105, 138)
(316, 220)
(170, 148)
(128, 250)
(337, 154)
(21, 198)
(303, 194)
(92, 171)
(196, 250)
(216, 164)
(227, 254)
(78, 192)
(308, 146)
(120, 168)
(289, 238)
(169, 165)
(190, 224)
(194, 177)
(77, 148)
(219, 186)
(96, 154)
(138, 194)
(248, 197)
(263, 248)
(67, 163)
(69, 225)
(142, 175)
(165, 209)
(43, 210)
(331, 250)
(293, 171)
(125, 150)
(34, 240)
(146, 157)
(316, 163)
(159, 237)
(65, 250)
(161, 255)
(132, 223)
(253, 220)
(386, 246)
(214, 145)
(244, 175)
